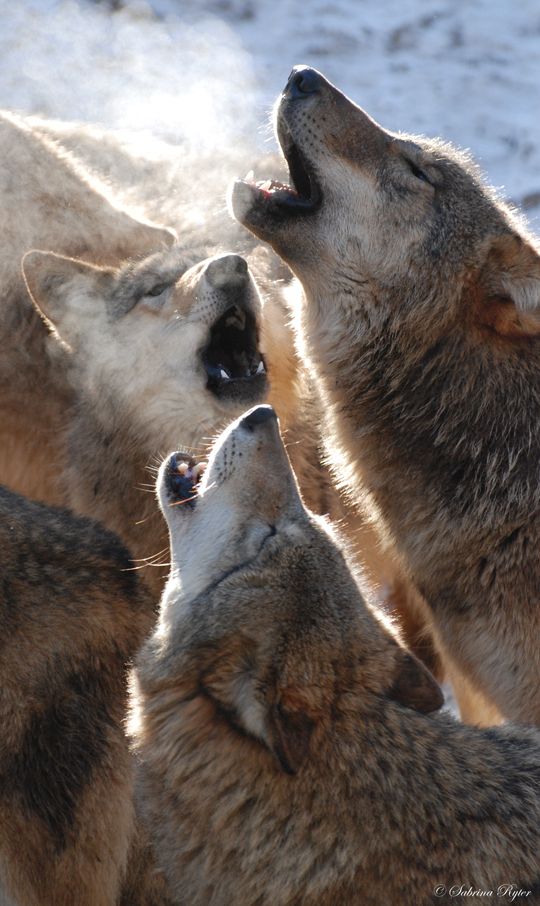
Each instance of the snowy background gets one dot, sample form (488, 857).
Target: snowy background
(201, 75)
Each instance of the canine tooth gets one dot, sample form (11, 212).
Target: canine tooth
(224, 374)
(249, 175)
(261, 369)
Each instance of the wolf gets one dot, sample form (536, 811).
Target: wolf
(420, 319)
(73, 613)
(97, 372)
(181, 356)
(287, 744)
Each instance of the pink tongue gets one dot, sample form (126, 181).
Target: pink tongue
(269, 186)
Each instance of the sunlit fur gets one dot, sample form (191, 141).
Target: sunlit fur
(86, 412)
(420, 317)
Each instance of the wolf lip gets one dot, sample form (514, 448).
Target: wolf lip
(232, 361)
(304, 181)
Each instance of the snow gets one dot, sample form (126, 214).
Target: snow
(206, 72)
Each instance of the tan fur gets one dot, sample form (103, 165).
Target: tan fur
(47, 202)
(285, 751)
(135, 365)
(135, 172)
(105, 395)
(72, 613)
(153, 179)
(422, 300)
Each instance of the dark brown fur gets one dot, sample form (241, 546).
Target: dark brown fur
(73, 613)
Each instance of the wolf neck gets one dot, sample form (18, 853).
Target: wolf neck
(437, 438)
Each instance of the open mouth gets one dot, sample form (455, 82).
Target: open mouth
(302, 196)
(234, 366)
(183, 476)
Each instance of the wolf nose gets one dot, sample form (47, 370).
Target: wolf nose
(258, 416)
(303, 80)
(227, 270)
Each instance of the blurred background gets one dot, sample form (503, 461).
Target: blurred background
(201, 75)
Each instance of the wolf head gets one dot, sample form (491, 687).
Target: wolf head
(262, 612)
(387, 225)
(166, 347)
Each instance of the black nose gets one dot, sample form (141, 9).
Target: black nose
(258, 416)
(227, 270)
(303, 81)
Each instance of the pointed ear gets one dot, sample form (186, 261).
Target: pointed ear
(508, 288)
(289, 732)
(64, 290)
(414, 686)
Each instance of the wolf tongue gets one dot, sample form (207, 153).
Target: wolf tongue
(271, 186)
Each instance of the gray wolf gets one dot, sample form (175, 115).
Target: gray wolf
(420, 319)
(153, 349)
(286, 747)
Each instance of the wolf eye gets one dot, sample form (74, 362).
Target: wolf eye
(416, 171)
(157, 290)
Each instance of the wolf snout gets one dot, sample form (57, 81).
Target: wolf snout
(303, 81)
(257, 417)
(227, 270)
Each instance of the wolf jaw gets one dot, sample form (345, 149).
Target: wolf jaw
(234, 366)
(254, 201)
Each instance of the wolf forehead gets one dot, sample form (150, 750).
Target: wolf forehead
(163, 270)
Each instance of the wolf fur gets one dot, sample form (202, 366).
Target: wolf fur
(145, 382)
(87, 394)
(47, 202)
(73, 613)
(420, 318)
(285, 746)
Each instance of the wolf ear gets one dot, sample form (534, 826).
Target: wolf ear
(62, 289)
(509, 288)
(414, 686)
(280, 719)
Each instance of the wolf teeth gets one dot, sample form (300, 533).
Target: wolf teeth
(223, 374)
(261, 369)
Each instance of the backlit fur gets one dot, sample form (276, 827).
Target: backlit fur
(421, 318)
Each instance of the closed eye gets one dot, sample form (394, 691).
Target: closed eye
(157, 290)
(416, 171)
(155, 298)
